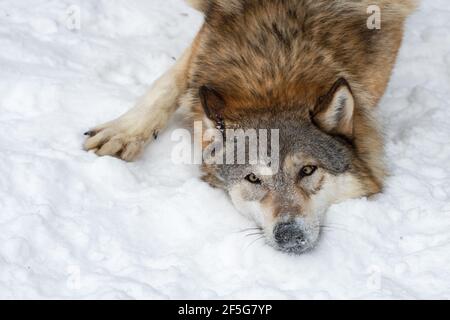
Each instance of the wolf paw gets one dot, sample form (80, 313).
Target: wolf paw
(117, 139)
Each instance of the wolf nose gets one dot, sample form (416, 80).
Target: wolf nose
(290, 237)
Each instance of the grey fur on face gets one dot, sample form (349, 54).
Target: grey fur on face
(296, 136)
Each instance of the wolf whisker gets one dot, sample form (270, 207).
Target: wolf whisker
(253, 242)
(249, 229)
(255, 234)
(333, 228)
(339, 225)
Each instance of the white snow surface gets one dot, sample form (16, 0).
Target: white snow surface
(74, 226)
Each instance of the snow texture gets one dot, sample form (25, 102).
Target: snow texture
(76, 226)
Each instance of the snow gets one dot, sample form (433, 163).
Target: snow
(76, 226)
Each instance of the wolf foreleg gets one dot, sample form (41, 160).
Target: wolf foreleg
(127, 136)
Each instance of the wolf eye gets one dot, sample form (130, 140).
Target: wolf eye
(252, 178)
(308, 171)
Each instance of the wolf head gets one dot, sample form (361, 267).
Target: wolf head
(317, 165)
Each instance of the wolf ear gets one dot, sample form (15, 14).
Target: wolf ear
(335, 111)
(213, 105)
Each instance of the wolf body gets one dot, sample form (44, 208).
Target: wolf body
(314, 70)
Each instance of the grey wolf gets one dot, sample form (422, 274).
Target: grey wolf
(310, 68)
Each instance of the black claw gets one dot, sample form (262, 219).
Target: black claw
(89, 133)
(155, 135)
